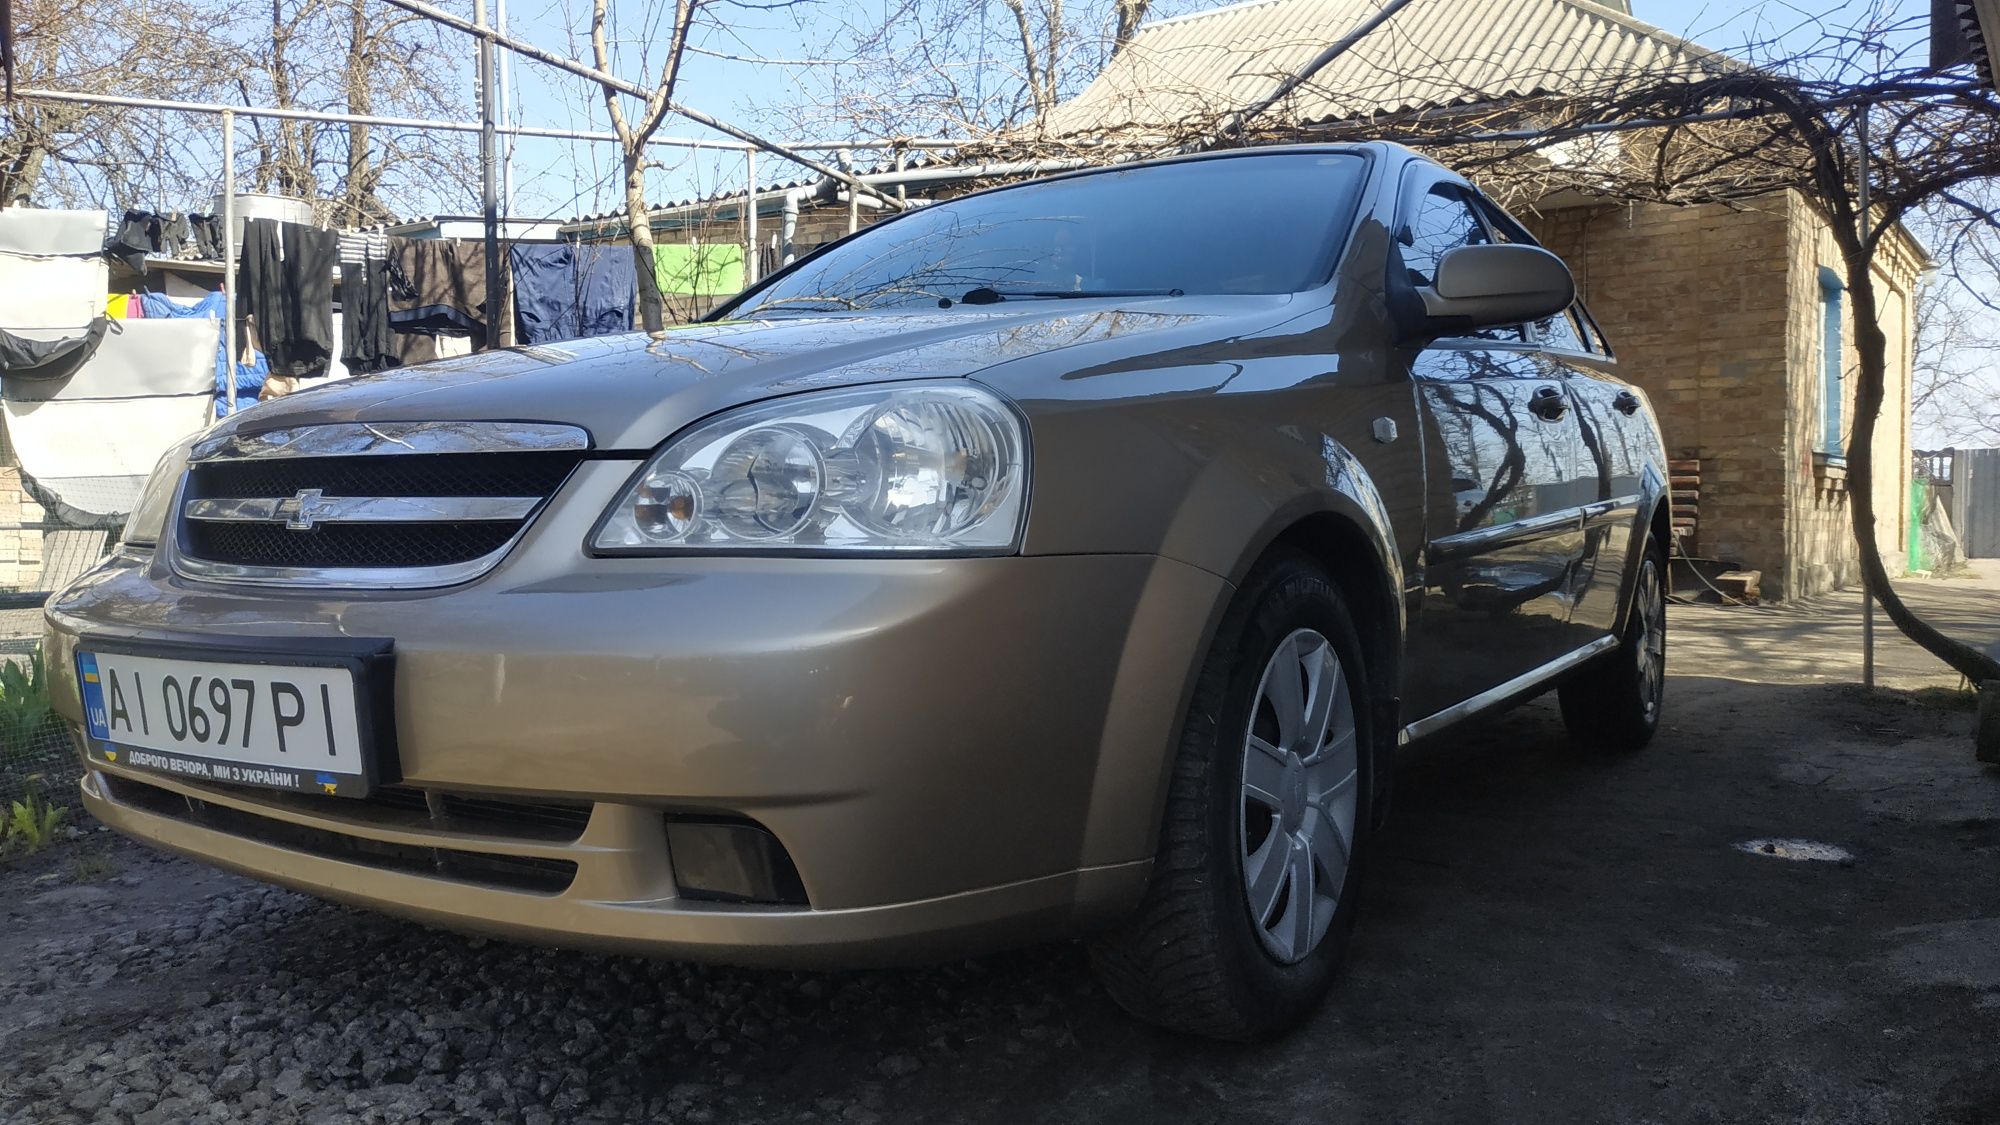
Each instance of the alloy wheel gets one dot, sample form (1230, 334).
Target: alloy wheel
(1651, 643)
(1301, 779)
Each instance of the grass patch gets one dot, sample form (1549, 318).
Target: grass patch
(92, 865)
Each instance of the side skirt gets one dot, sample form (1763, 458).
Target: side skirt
(1526, 684)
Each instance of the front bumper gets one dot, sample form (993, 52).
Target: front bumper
(955, 754)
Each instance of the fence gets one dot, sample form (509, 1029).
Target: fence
(1967, 485)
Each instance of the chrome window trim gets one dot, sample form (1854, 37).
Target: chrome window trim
(391, 439)
(302, 511)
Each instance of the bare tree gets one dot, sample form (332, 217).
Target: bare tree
(1956, 372)
(364, 58)
(633, 137)
(961, 68)
(76, 155)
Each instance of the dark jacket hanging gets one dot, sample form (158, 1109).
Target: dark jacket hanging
(562, 292)
(287, 287)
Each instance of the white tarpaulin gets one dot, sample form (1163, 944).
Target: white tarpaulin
(30, 230)
(137, 358)
(102, 437)
(52, 292)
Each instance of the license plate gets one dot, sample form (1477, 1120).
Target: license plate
(245, 722)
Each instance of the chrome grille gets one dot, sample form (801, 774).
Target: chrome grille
(395, 505)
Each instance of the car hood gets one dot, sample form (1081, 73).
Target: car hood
(632, 392)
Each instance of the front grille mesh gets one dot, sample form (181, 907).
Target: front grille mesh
(426, 474)
(379, 546)
(385, 546)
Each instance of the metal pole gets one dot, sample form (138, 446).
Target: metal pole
(1867, 595)
(489, 191)
(750, 260)
(229, 267)
(504, 85)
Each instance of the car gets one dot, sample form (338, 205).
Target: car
(1068, 560)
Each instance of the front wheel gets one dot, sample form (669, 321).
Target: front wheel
(1254, 884)
(1614, 704)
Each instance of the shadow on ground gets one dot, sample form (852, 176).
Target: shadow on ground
(1546, 935)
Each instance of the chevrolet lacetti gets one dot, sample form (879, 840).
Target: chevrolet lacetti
(1066, 559)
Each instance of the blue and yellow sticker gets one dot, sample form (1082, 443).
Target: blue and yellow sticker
(95, 716)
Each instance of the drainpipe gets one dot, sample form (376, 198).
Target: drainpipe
(789, 226)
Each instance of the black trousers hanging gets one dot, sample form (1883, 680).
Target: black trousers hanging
(288, 289)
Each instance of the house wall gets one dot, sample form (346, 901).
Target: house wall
(1824, 552)
(1715, 311)
(1693, 301)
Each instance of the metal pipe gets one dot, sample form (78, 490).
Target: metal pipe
(750, 260)
(229, 263)
(358, 119)
(489, 187)
(629, 89)
(1867, 595)
(503, 80)
(789, 227)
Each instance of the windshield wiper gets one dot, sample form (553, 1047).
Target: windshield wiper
(839, 304)
(987, 295)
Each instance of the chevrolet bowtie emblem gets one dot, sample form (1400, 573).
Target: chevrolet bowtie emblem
(303, 508)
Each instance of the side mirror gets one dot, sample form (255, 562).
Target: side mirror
(1497, 283)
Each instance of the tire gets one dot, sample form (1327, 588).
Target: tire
(1614, 704)
(1196, 957)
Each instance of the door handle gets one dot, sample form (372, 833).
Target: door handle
(1548, 404)
(1626, 403)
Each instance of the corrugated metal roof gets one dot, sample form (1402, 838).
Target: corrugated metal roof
(1434, 53)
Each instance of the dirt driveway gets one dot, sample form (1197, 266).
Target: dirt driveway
(1548, 937)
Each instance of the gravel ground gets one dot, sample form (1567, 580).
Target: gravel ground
(1547, 936)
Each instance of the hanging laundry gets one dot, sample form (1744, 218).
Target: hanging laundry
(140, 234)
(440, 286)
(248, 378)
(287, 289)
(367, 342)
(115, 305)
(205, 238)
(710, 270)
(564, 291)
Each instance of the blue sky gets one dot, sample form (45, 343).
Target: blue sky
(557, 179)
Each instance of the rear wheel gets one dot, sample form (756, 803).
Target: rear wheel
(1614, 704)
(1255, 881)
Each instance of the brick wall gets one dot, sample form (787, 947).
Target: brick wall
(1716, 312)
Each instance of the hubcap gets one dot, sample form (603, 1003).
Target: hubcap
(1651, 645)
(1301, 786)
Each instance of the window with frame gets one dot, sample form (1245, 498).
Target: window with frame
(1831, 359)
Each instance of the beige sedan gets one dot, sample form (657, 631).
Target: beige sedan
(1069, 559)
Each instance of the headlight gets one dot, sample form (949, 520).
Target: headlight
(917, 467)
(148, 520)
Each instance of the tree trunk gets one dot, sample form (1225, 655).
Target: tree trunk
(639, 222)
(360, 205)
(22, 171)
(1871, 345)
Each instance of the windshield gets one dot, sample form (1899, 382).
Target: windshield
(1238, 225)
